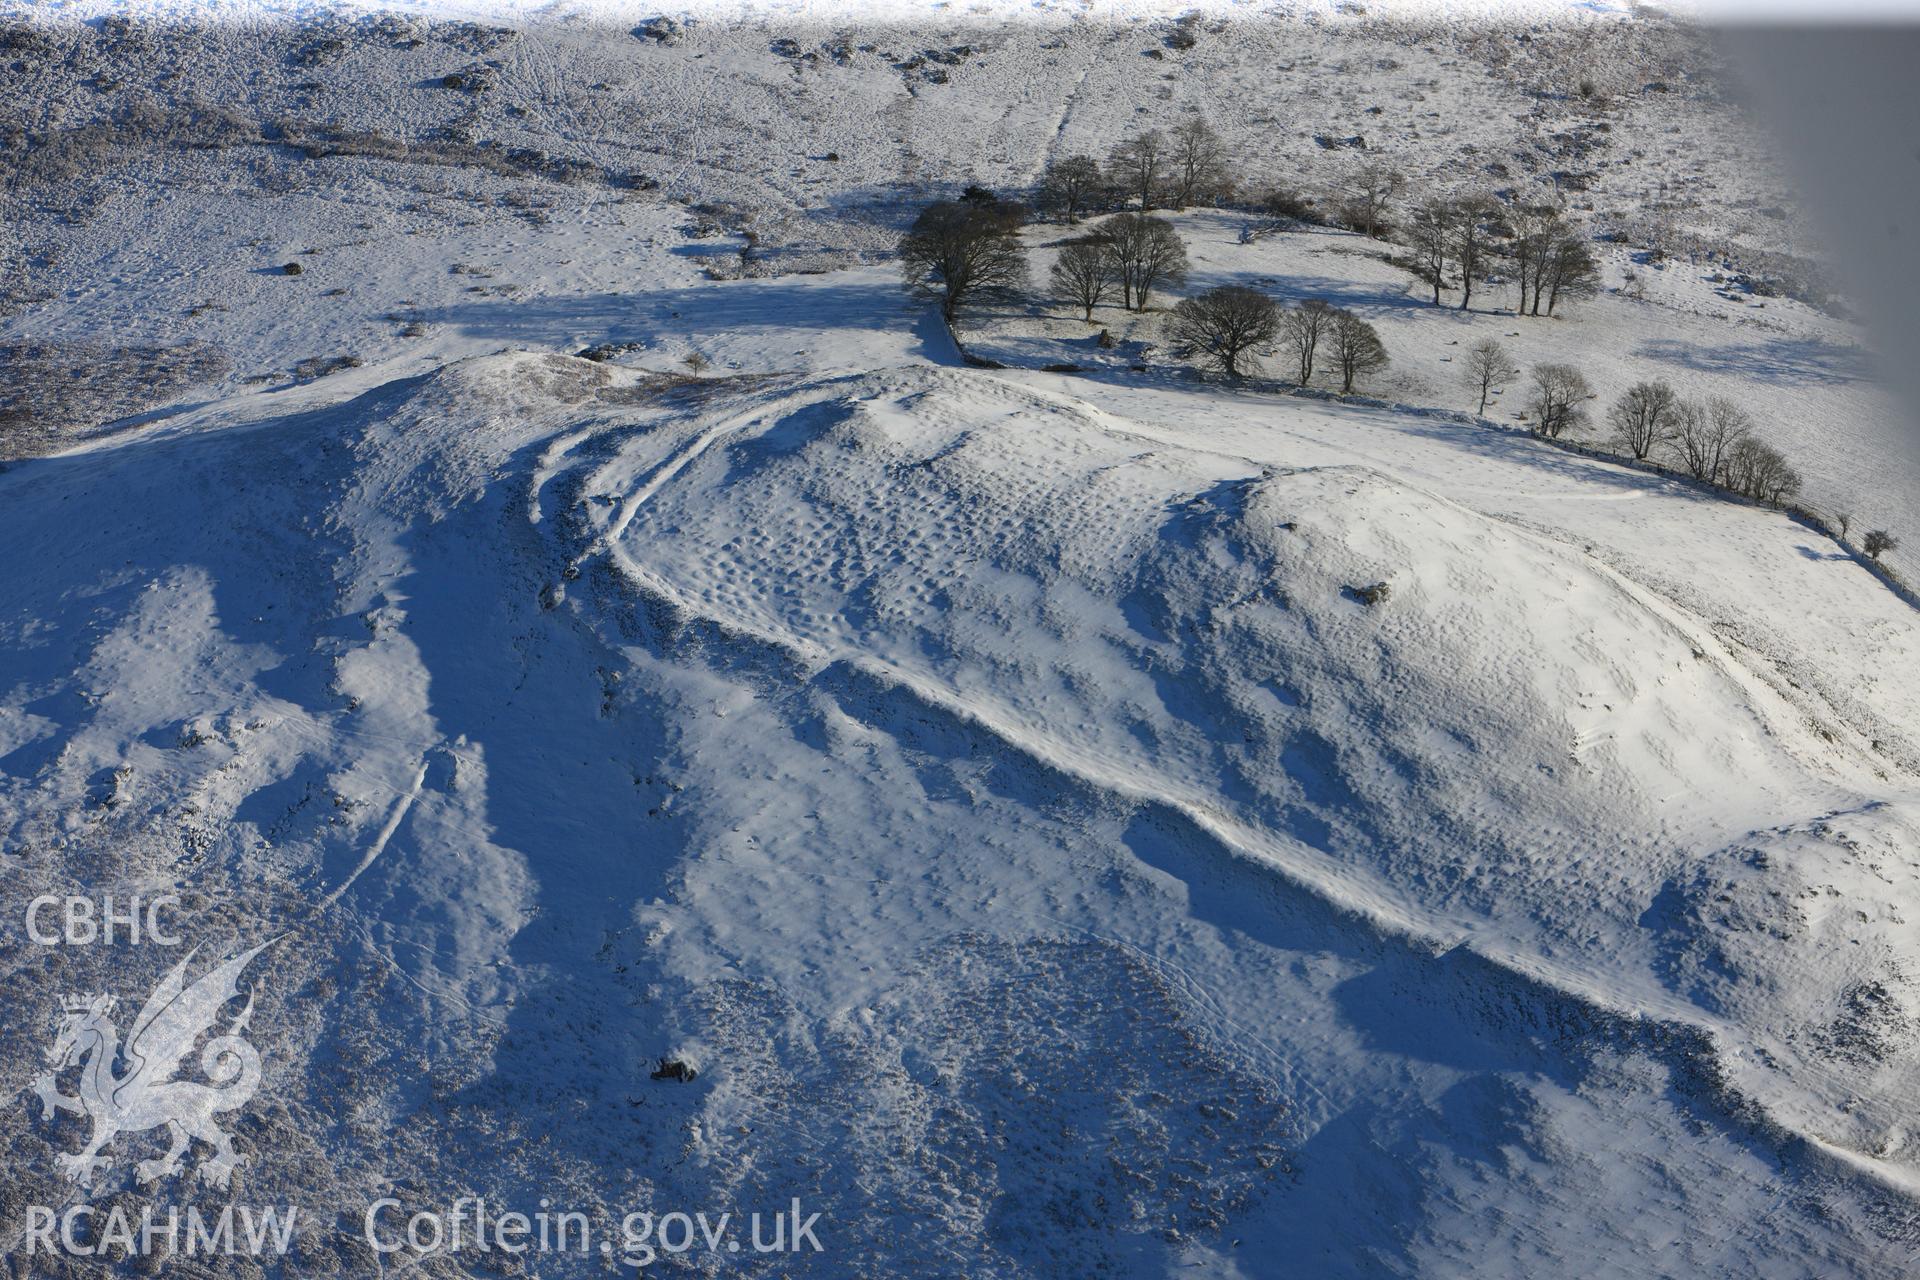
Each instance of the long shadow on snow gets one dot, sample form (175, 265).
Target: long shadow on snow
(89, 533)
(1456, 1009)
(1356, 296)
(569, 780)
(1565, 464)
(1785, 361)
(802, 304)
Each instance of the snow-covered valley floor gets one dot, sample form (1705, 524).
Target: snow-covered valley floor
(1007, 789)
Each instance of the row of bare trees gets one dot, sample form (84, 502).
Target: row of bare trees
(961, 248)
(1459, 239)
(1454, 240)
(1190, 165)
(1130, 254)
(1225, 325)
(1176, 168)
(1710, 440)
(1464, 239)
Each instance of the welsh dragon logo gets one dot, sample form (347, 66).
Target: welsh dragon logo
(147, 1092)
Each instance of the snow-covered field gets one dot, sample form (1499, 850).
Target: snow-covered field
(1005, 788)
(1805, 378)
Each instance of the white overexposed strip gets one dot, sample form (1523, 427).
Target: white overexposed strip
(820, 11)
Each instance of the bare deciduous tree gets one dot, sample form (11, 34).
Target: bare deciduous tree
(1704, 433)
(1070, 186)
(1845, 519)
(1430, 236)
(1225, 324)
(957, 250)
(1356, 348)
(1569, 271)
(1782, 482)
(1476, 231)
(1139, 166)
(1642, 418)
(1878, 542)
(695, 362)
(1371, 189)
(1559, 390)
(1760, 471)
(1197, 162)
(1738, 471)
(1531, 233)
(1085, 273)
(1488, 366)
(1302, 328)
(1146, 252)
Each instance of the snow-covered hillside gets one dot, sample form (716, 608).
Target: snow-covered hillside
(994, 783)
(805, 131)
(1806, 379)
(1114, 823)
(426, 173)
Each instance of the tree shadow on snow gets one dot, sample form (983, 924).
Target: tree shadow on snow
(1353, 295)
(1561, 464)
(805, 304)
(1783, 360)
